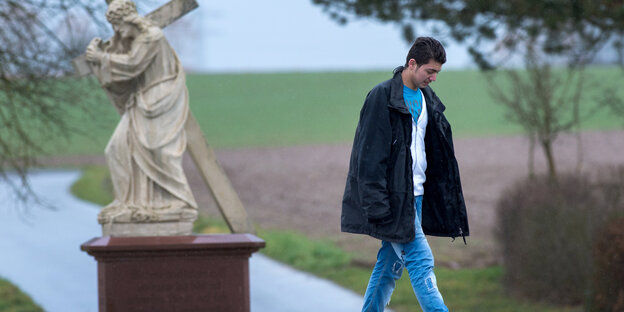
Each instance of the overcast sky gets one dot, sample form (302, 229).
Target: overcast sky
(286, 35)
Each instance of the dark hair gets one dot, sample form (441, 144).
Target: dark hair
(424, 50)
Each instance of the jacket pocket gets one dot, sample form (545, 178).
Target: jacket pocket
(401, 227)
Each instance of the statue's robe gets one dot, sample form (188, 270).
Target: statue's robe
(146, 82)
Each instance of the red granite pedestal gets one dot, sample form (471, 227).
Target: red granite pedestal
(174, 273)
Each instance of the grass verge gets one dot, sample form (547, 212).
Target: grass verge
(12, 299)
(94, 185)
(468, 290)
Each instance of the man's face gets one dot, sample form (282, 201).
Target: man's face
(421, 76)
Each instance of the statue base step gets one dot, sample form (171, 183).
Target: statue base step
(178, 228)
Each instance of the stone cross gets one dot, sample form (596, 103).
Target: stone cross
(203, 155)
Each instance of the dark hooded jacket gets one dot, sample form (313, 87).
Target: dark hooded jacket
(380, 179)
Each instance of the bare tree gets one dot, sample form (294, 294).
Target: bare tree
(37, 92)
(543, 101)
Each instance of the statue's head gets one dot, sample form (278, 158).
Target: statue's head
(121, 11)
(122, 14)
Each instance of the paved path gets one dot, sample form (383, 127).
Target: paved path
(40, 253)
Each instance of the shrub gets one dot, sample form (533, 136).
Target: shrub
(545, 236)
(608, 278)
(610, 190)
(547, 232)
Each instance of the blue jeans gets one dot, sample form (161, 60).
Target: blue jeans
(416, 256)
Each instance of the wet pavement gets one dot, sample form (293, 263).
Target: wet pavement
(40, 253)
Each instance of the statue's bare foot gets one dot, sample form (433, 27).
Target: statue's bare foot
(144, 215)
(114, 212)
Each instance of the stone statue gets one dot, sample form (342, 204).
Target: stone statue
(144, 79)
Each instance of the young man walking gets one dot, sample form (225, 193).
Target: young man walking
(403, 179)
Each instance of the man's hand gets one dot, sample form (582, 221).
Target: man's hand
(94, 53)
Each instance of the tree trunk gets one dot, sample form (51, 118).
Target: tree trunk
(550, 161)
(531, 156)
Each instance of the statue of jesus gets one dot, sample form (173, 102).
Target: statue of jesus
(144, 80)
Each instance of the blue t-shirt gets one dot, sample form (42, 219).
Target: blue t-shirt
(413, 101)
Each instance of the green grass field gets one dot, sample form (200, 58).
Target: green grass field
(242, 110)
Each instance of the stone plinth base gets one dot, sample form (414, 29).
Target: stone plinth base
(147, 229)
(175, 273)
